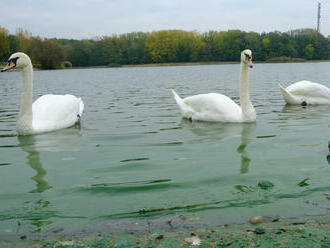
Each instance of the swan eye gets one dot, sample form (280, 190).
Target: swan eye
(14, 60)
(247, 56)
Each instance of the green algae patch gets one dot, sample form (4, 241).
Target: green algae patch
(265, 185)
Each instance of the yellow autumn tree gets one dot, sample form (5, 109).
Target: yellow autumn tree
(4, 44)
(24, 38)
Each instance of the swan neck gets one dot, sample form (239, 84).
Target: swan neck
(25, 112)
(246, 105)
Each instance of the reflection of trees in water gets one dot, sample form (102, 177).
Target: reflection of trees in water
(27, 143)
(211, 131)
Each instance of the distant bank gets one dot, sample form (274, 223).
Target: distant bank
(166, 47)
(274, 60)
(294, 60)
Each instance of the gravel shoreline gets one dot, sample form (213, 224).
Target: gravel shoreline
(307, 233)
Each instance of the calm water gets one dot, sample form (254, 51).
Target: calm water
(135, 161)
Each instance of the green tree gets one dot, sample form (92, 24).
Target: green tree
(208, 49)
(14, 44)
(46, 53)
(229, 45)
(309, 51)
(165, 46)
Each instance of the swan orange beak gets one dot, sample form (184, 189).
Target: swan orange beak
(249, 63)
(10, 65)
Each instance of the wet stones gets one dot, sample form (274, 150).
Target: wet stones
(256, 220)
(259, 230)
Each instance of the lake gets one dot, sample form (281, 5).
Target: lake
(135, 164)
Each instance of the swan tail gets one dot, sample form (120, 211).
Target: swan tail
(286, 95)
(81, 107)
(185, 109)
(177, 98)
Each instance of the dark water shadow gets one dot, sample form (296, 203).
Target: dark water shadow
(211, 131)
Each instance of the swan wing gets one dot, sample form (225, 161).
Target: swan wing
(309, 89)
(213, 107)
(52, 112)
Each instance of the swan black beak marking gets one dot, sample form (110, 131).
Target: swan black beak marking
(249, 63)
(249, 60)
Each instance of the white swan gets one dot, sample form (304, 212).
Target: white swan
(48, 112)
(306, 92)
(220, 108)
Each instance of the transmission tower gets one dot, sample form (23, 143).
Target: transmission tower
(318, 16)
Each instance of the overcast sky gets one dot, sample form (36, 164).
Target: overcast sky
(91, 18)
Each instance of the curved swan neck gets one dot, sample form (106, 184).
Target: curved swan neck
(248, 111)
(25, 112)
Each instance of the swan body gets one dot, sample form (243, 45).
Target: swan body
(49, 112)
(216, 107)
(306, 92)
(209, 107)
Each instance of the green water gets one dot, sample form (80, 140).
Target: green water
(134, 159)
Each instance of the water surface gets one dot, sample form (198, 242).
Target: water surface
(135, 160)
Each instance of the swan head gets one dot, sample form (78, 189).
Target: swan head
(17, 60)
(246, 57)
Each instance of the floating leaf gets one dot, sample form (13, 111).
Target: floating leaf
(265, 185)
(303, 183)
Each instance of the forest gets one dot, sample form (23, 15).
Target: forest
(166, 46)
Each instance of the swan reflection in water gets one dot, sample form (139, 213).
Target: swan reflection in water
(62, 140)
(213, 131)
(296, 112)
(328, 157)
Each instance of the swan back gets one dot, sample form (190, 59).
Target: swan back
(306, 91)
(52, 112)
(310, 89)
(214, 107)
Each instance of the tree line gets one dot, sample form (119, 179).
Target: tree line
(165, 46)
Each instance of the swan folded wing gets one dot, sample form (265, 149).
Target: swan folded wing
(213, 107)
(52, 112)
(309, 89)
